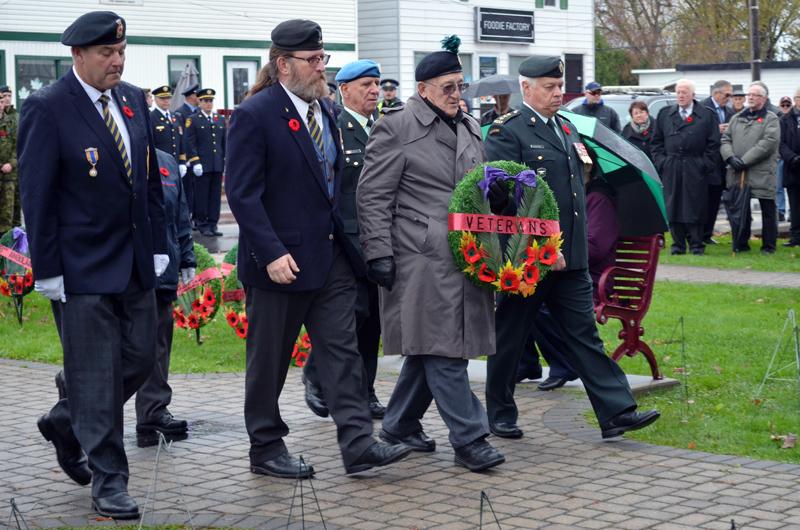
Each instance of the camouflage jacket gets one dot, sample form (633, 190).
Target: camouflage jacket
(8, 146)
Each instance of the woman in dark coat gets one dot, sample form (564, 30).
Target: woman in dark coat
(639, 131)
(790, 154)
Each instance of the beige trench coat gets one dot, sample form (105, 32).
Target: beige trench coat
(412, 165)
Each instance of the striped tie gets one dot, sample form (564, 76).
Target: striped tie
(313, 128)
(112, 126)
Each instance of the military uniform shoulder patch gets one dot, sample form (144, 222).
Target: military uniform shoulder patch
(188, 122)
(506, 117)
(492, 131)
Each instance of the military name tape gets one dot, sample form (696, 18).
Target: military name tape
(14, 256)
(502, 224)
(202, 278)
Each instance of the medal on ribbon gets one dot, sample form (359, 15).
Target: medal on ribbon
(92, 156)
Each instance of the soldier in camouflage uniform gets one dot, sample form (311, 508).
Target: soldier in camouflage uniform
(9, 177)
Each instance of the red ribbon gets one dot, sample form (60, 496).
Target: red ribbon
(502, 224)
(227, 268)
(15, 256)
(202, 278)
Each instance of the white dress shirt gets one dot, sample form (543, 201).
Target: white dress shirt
(302, 109)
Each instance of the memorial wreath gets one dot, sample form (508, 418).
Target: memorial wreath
(199, 300)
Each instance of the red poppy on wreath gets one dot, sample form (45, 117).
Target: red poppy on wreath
(28, 279)
(243, 320)
(241, 333)
(206, 310)
(689, 119)
(208, 297)
(566, 129)
(128, 112)
(4, 289)
(193, 321)
(531, 274)
(196, 304)
(531, 255)
(2, 133)
(304, 340)
(233, 318)
(759, 120)
(548, 255)
(301, 358)
(471, 253)
(20, 283)
(164, 172)
(181, 320)
(486, 275)
(294, 125)
(509, 281)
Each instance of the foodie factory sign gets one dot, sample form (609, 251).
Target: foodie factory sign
(504, 25)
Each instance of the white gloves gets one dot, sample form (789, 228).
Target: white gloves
(160, 261)
(182, 169)
(187, 275)
(198, 169)
(51, 288)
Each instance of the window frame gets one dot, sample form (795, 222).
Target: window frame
(56, 59)
(197, 62)
(225, 60)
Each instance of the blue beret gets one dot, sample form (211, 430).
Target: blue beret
(297, 35)
(358, 69)
(191, 90)
(542, 66)
(206, 93)
(97, 28)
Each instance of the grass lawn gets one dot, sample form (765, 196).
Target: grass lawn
(785, 259)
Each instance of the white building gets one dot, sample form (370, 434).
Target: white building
(782, 77)
(227, 40)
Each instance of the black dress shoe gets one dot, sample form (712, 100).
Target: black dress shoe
(61, 385)
(506, 430)
(534, 373)
(790, 244)
(628, 421)
(283, 466)
(478, 455)
(207, 233)
(781, 217)
(68, 453)
(768, 251)
(117, 505)
(710, 241)
(551, 383)
(417, 441)
(165, 424)
(676, 253)
(377, 410)
(378, 454)
(216, 233)
(698, 253)
(315, 399)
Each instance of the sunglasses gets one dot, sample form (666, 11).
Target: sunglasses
(596, 92)
(786, 105)
(451, 88)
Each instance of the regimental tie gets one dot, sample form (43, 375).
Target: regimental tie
(313, 128)
(112, 126)
(683, 114)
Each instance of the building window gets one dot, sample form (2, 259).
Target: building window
(177, 65)
(240, 75)
(34, 73)
(418, 56)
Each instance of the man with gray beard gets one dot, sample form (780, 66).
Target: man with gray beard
(284, 175)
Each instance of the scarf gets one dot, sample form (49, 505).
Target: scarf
(639, 129)
(451, 121)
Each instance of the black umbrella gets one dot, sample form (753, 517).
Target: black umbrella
(493, 85)
(737, 204)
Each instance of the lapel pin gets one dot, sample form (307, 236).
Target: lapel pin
(533, 119)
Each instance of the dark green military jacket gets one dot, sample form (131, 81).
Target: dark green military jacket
(521, 136)
(354, 147)
(8, 146)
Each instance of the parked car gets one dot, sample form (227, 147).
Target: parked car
(620, 99)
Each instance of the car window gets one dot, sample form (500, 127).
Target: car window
(656, 106)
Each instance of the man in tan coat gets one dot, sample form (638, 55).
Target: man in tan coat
(430, 312)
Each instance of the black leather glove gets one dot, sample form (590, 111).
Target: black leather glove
(795, 163)
(736, 163)
(498, 196)
(382, 271)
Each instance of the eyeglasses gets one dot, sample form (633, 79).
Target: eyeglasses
(726, 96)
(787, 105)
(448, 90)
(596, 92)
(314, 61)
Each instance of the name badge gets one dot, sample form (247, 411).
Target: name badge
(352, 152)
(537, 147)
(159, 127)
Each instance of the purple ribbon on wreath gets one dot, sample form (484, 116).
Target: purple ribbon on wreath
(20, 241)
(493, 174)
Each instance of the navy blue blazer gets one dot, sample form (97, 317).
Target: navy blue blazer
(277, 191)
(167, 135)
(204, 141)
(91, 230)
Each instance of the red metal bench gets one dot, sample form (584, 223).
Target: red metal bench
(634, 275)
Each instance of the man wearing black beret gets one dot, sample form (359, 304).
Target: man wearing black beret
(94, 210)
(537, 137)
(297, 264)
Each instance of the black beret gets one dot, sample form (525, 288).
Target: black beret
(97, 28)
(206, 93)
(297, 35)
(542, 66)
(191, 90)
(162, 92)
(436, 64)
(5, 89)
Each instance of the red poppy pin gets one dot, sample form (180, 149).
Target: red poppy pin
(644, 133)
(759, 120)
(294, 125)
(216, 118)
(128, 112)
(164, 172)
(689, 119)
(2, 133)
(173, 120)
(566, 129)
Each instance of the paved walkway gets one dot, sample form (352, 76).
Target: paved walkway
(560, 475)
(692, 274)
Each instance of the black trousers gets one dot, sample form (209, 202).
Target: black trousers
(368, 330)
(793, 193)
(188, 189)
(274, 320)
(714, 200)
(155, 394)
(693, 232)
(553, 348)
(427, 378)
(568, 295)
(108, 353)
(207, 201)
(769, 226)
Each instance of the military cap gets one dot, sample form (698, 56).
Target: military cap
(594, 85)
(541, 66)
(332, 87)
(297, 35)
(162, 92)
(442, 62)
(5, 89)
(97, 28)
(206, 93)
(739, 92)
(191, 90)
(358, 69)
(389, 83)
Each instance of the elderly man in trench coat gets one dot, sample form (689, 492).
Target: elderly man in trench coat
(430, 312)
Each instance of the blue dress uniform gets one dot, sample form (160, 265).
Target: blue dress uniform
(205, 145)
(167, 130)
(94, 211)
(181, 113)
(524, 136)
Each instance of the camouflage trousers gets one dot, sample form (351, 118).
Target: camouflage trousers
(9, 193)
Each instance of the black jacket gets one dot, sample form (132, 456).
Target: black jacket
(354, 142)
(205, 141)
(790, 147)
(167, 135)
(718, 178)
(640, 139)
(600, 111)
